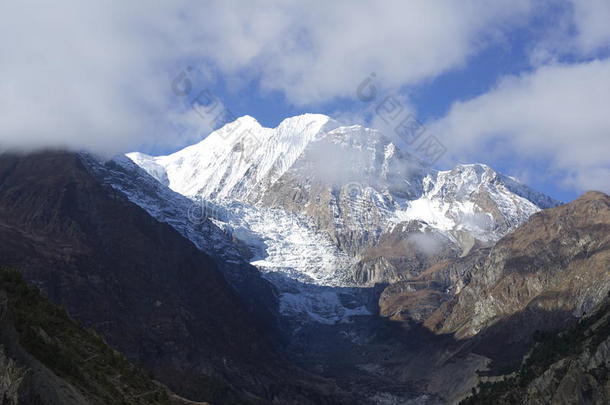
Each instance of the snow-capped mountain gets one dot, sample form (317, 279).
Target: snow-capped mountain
(475, 199)
(352, 181)
(310, 201)
(236, 160)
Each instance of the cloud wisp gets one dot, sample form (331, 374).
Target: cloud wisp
(557, 113)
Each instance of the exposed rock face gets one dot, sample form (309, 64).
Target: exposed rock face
(570, 367)
(556, 262)
(403, 254)
(149, 291)
(349, 182)
(420, 297)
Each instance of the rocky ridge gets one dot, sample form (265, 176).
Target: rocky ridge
(556, 262)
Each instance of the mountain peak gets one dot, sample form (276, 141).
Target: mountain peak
(312, 123)
(307, 117)
(246, 163)
(473, 166)
(592, 196)
(233, 161)
(247, 119)
(296, 121)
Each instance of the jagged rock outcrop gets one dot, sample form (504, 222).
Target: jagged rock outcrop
(419, 298)
(556, 262)
(403, 254)
(348, 181)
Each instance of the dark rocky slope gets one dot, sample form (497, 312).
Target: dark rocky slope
(557, 261)
(150, 292)
(48, 358)
(568, 367)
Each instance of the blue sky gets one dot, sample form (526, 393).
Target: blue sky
(521, 85)
(432, 98)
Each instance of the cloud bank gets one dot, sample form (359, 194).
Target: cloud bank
(96, 75)
(559, 114)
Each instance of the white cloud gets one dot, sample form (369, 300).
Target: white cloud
(559, 113)
(579, 29)
(76, 75)
(316, 50)
(592, 22)
(96, 75)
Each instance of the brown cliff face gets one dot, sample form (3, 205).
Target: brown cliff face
(403, 254)
(420, 297)
(543, 276)
(558, 261)
(150, 292)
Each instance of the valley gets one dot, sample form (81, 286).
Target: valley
(262, 276)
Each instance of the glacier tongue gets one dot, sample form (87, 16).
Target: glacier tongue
(288, 243)
(310, 272)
